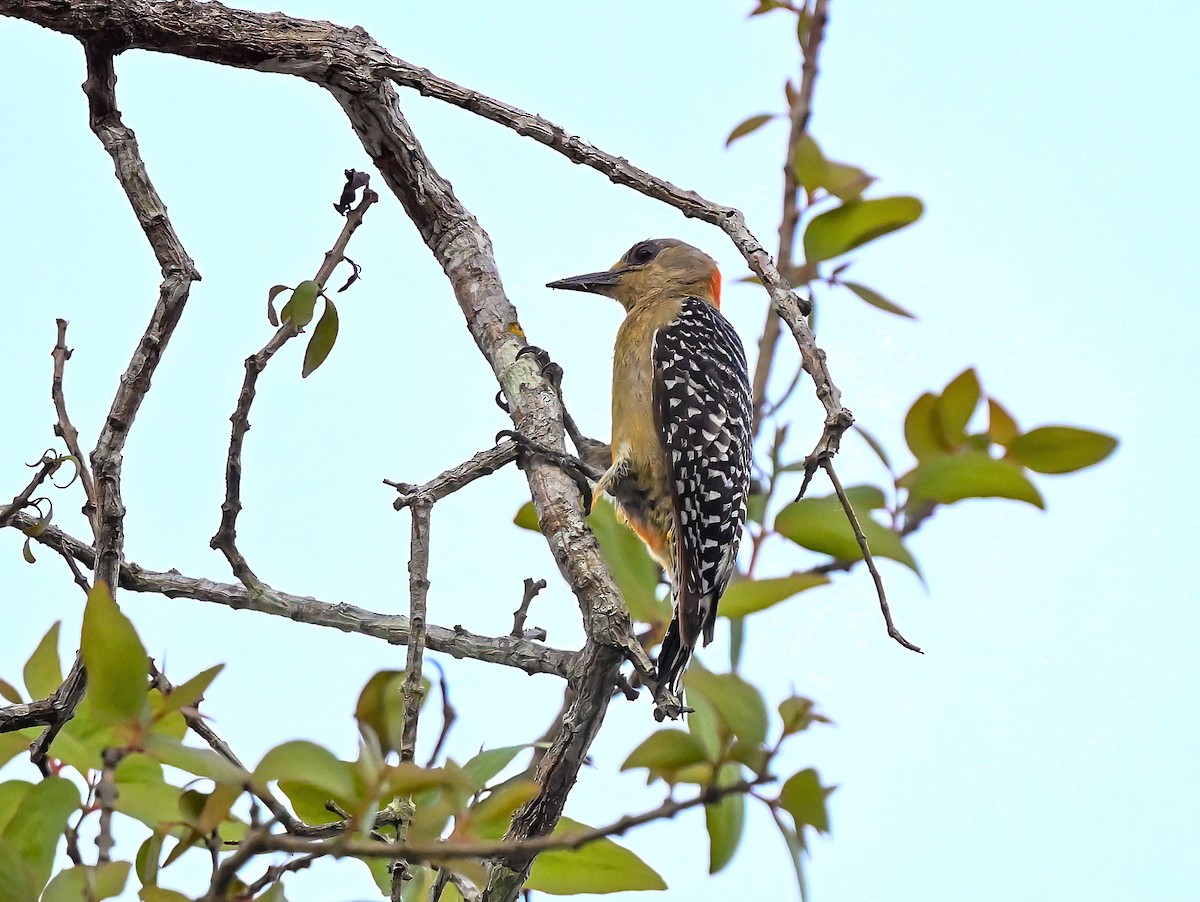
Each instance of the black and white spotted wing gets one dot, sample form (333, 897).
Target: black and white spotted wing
(702, 399)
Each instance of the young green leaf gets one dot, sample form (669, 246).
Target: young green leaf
(803, 797)
(271, 295)
(487, 764)
(666, 751)
(853, 224)
(738, 704)
(747, 596)
(820, 525)
(381, 707)
(1002, 428)
(724, 820)
(188, 695)
(307, 762)
(89, 882)
(37, 824)
(956, 405)
(115, 658)
(754, 123)
(972, 474)
(43, 671)
(9, 692)
(808, 164)
(923, 429)
(599, 867)
(1061, 449)
(303, 303)
(491, 817)
(798, 714)
(875, 299)
(322, 340)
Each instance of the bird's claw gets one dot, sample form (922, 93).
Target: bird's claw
(551, 371)
(568, 464)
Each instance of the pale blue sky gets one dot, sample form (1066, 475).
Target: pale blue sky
(1044, 748)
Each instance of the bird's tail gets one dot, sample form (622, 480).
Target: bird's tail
(673, 657)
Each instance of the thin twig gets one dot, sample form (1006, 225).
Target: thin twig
(482, 464)
(827, 464)
(418, 591)
(426, 850)
(800, 112)
(532, 587)
(47, 466)
(106, 798)
(449, 715)
(225, 538)
(63, 427)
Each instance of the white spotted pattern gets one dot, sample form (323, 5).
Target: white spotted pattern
(702, 400)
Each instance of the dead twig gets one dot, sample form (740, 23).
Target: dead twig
(532, 587)
(482, 464)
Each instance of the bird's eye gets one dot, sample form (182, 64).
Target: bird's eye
(643, 253)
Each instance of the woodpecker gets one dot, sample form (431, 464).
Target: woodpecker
(681, 429)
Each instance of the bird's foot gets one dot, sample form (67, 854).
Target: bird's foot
(572, 466)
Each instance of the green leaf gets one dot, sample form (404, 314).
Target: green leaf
(1002, 428)
(745, 127)
(635, 572)
(487, 764)
(747, 596)
(853, 224)
(381, 707)
(158, 894)
(599, 867)
(846, 181)
(16, 743)
(115, 659)
(12, 793)
(820, 525)
(87, 882)
(16, 884)
(307, 762)
(724, 821)
(955, 406)
(798, 714)
(188, 695)
(527, 518)
(803, 797)
(148, 856)
(666, 751)
(143, 793)
(43, 672)
(407, 778)
(1061, 449)
(201, 762)
(9, 692)
(303, 303)
(271, 295)
(36, 826)
(875, 299)
(923, 429)
(322, 340)
(491, 817)
(972, 474)
(703, 724)
(808, 163)
(737, 703)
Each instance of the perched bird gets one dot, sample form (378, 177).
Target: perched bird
(681, 429)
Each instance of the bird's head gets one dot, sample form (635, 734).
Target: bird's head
(657, 267)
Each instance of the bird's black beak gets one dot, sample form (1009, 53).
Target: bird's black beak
(595, 282)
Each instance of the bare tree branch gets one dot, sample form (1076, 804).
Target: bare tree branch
(47, 466)
(532, 657)
(482, 464)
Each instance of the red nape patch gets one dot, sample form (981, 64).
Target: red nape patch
(714, 283)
